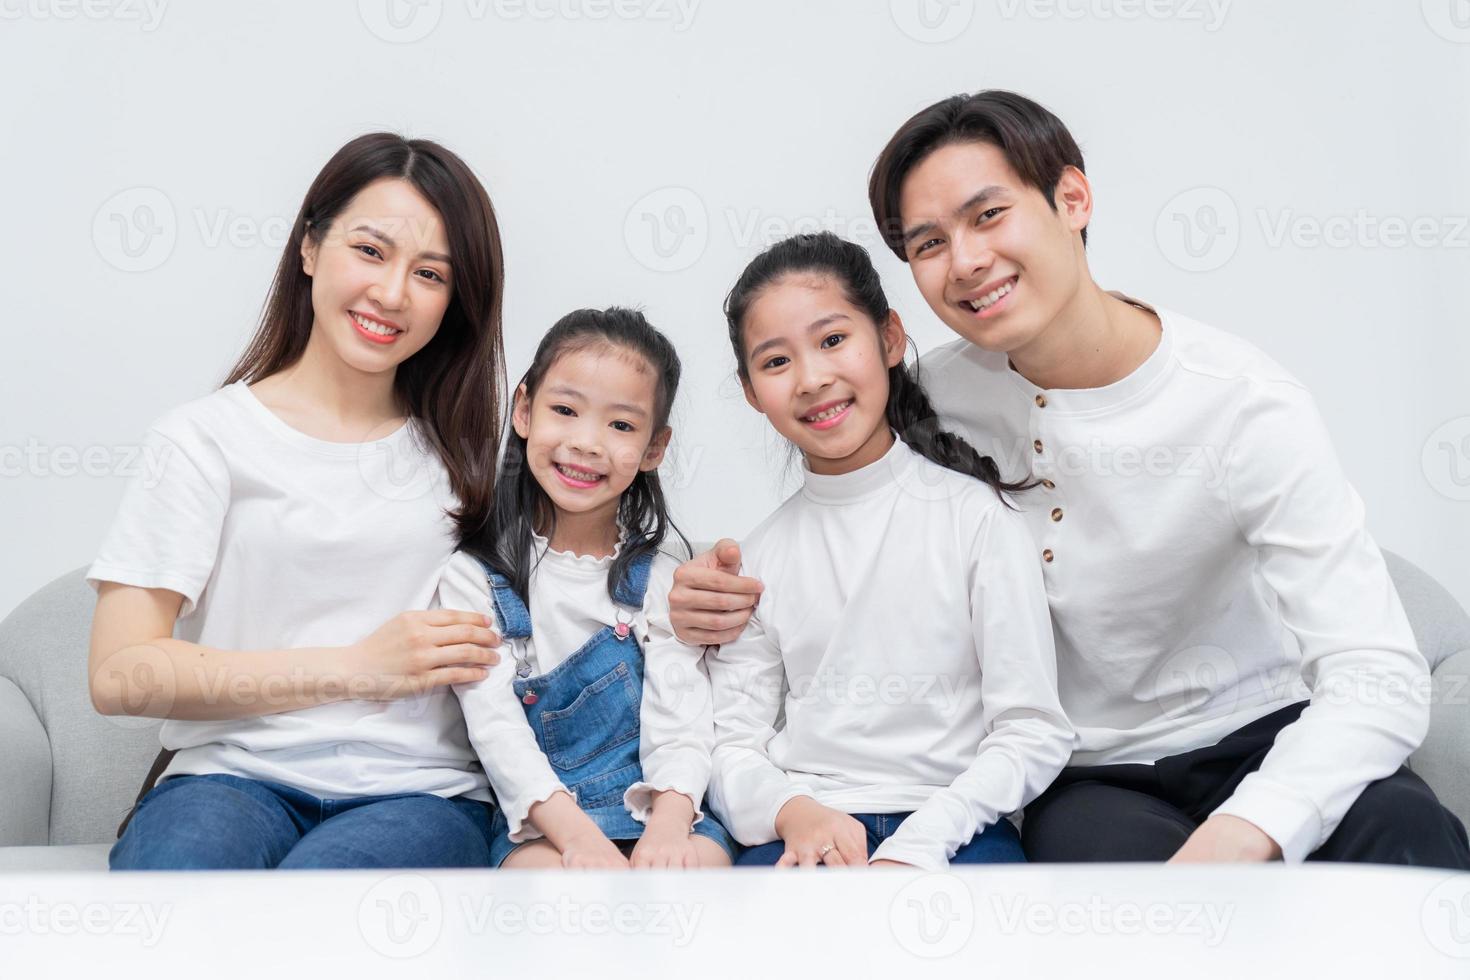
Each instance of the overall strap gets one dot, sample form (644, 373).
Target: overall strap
(512, 618)
(631, 589)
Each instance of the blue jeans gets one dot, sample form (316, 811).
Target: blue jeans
(997, 844)
(216, 821)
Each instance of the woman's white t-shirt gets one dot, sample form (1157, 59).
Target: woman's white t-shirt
(276, 539)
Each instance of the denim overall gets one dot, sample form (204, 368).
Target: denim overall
(585, 714)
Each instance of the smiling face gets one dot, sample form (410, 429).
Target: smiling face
(590, 427)
(380, 277)
(818, 370)
(987, 251)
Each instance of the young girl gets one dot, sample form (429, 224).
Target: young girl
(894, 695)
(596, 733)
(303, 507)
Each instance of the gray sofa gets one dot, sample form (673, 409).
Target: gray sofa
(68, 774)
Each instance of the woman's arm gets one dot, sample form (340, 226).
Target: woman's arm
(137, 668)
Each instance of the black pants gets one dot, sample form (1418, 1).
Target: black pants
(1146, 812)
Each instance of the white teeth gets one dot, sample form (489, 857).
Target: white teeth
(372, 326)
(583, 475)
(990, 298)
(832, 412)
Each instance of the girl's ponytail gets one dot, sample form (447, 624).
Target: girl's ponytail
(914, 420)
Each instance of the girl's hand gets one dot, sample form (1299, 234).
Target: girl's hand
(808, 828)
(592, 850)
(420, 650)
(666, 839)
(710, 602)
(665, 847)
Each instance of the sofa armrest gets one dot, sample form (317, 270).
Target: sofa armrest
(25, 771)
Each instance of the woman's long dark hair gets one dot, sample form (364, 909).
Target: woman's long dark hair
(909, 412)
(453, 387)
(522, 508)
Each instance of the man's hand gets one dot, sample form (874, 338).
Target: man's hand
(711, 602)
(1226, 838)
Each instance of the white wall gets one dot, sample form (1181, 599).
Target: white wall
(591, 121)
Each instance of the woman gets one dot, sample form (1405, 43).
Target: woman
(302, 508)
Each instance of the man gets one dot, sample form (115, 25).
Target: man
(1230, 647)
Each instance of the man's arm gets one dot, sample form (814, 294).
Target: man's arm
(711, 601)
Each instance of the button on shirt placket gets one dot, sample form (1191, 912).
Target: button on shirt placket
(1044, 470)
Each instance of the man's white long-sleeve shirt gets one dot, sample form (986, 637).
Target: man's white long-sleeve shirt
(1206, 563)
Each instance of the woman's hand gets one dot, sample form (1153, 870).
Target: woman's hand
(591, 850)
(417, 651)
(710, 602)
(808, 828)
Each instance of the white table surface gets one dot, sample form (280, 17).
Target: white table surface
(1133, 921)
